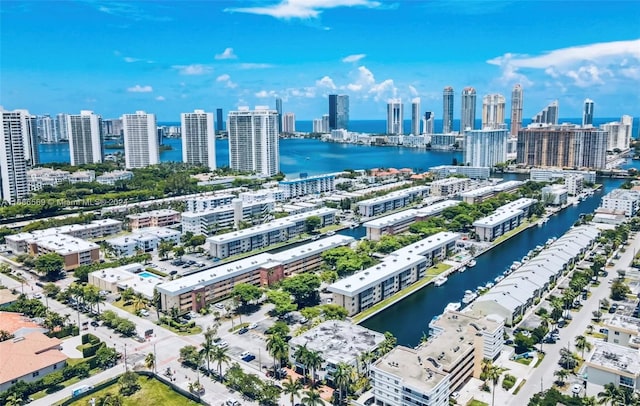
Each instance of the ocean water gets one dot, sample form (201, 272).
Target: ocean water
(314, 157)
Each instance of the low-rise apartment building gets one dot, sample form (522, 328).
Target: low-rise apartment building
(622, 199)
(215, 284)
(623, 330)
(551, 174)
(392, 201)
(555, 195)
(504, 219)
(96, 229)
(121, 278)
(308, 186)
(110, 178)
(37, 178)
(208, 221)
(337, 342)
(29, 358)
(449, 186)
(472, 172)
(74, 251)
(481, 194)
(398, 270)
(612, 363)
(146, 240)
(154, 218)
(261, 236)
(202, 203)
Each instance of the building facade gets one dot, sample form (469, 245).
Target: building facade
(85, 138)
(493, 108)
(486, 147)
(627, 201)
(620, 133)
(141, 147)
(15, 129)
(548, 115)
(468, 114)
(253, 141)
(395, 117)
(447, 110)
(587, 114)
(338, 112)
(517, 101)
(415, 116)
(198, 139)
(564, 146)
(312, 185)
(289, 123)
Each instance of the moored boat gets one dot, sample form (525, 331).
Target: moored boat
(440, 280)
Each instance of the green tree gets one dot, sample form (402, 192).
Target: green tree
(619, 290)
(189, 355)
(278, 328)
(82, 273)
(292, 388)
(164, 248)
(582, 344)
(150, 361)
(304, 288)
(178, 251)
(246, 293)
(282, 301)
(493, 375)
(388, 344)
(126, 327)
(312, 223)
(127, 295)
(128, 383)
(51, 289)
(49, 264)
(312, 398)
(208, 346)
(342, 377)
(562, 375)
(220, 356)
(278, 349)
(106, 356)
(610, 395)
(332, 311)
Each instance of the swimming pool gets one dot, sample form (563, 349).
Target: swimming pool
(146, 274)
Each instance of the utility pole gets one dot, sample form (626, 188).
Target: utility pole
(126, 367)
(155, 359)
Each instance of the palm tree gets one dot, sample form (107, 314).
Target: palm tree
(561, 374)
(138, 301)
(301, 354)
(589, 401)
(314, 361)
(150, 361)
(582, 344)
(208, 346)
(610, 394)
(493, 375)
(13, 400)
(157, 301)
(220, 356)
(292, 388)
(312, 398)
(366, 359)
(342, 378)
(278, 349)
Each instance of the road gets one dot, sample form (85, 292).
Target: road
(542, 377)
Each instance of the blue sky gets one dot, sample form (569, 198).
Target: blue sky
(165, 57)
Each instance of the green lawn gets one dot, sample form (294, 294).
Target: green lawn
(521, 227)
(186, 332)
(431, 274)
(152, 392)
(474, 402)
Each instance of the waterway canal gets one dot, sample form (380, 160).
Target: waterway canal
(409, 318)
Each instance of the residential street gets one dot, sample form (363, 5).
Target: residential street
(542, 377)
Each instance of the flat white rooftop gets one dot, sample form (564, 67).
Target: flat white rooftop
(64, 244)
(497, 218)
(616, 357)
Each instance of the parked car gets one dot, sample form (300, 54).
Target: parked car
(218, 306)
(253, 325)
(243, 330)
(144, 313)
(95, 324)
(222, 344)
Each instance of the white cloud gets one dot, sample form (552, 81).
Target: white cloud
(303, 9)
(263, 94)
(365, 84)
(413, 91)
(140, 89)
(248, 66)
(326, 82)
(583, 65)
(226, 54)
(160, 98)
(353, 58)
(194, 69)
(226, 79)
(129, 59)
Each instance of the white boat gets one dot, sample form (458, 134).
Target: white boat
(515, 265)
(576, 202)
(469, 297)
(540, 223)
(464, 268)
(440, 280)
(489, 285)
(354, 225)
(471, 263)
(525, 258)
(453, 306)
(498, 278)
(551, 240)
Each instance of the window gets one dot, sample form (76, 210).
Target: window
(55, 366)
(625, 381)
(35, 374)
(617, 333)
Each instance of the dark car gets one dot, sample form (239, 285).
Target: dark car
(549, 340)
(243, 330)
(249, 358)
(186, 317)
(94, 324)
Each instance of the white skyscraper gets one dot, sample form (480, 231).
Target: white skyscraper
(619, 133)
(198, 139)
(47, 131)
(16, 127)
(587, 114)
(517, 100)
(141, 147)
(253, 140)
(486, 147)
(548, 115)
(395, 117)
(85, 138)
(468, 112)
(428, 122)
(493, 107)
(61, 126)
(289, 123)
(415, 116)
